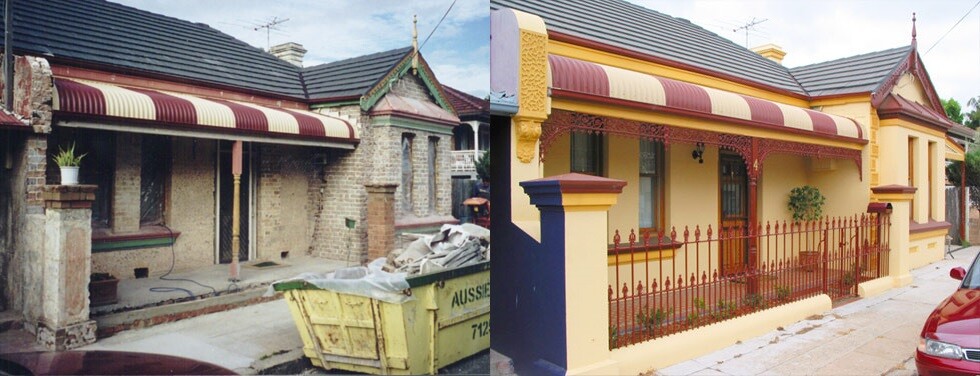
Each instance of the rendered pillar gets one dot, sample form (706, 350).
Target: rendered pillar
(67, 262)
(898, 256)
(380, 219)
(575, 307)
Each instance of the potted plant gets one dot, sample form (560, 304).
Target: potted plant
(806, 204)
(102, 288)
(69, 164)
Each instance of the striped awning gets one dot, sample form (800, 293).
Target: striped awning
(9, 120)
(590, 81)
(94, 104)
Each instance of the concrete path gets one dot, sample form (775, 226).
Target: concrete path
(245, 339)
(874, 336)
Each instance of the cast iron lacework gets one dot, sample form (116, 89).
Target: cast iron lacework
(563, 122)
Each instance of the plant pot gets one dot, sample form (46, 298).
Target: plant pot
(809, 260)
(103, 292)
(69, 175)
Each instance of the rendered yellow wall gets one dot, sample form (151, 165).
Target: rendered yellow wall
(911, 89)
(623, 163)
(692, 188)
(780, 174)
(927, 250)
(557, 160)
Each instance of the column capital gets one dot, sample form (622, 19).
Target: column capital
(68, 196)
(573, 191)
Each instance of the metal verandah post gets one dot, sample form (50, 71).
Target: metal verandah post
(236, 172)
(752, 284)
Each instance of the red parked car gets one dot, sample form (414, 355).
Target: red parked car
(950, 339)
(104, 363)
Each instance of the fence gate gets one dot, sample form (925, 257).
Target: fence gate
(953, 208)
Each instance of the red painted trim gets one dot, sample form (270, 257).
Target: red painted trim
(655, 244)
(119, 76)
(822, 122)
(701, 115)
(169, 109)
(670, 63)
(582, 183)
(893, 188)
(312, 126)
(915, 227)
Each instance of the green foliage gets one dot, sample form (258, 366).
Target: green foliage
(699, 304)
(953, 110)
(754, 300)
(692, 318)
(653, 319)
(972, 175)
(613, 336)
(848, 278)
(972, 117)
(483, 166)
(783, 292)
(806, 203)
(724, 310)
(67, 158)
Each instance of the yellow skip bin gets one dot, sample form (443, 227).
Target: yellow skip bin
(448, 320)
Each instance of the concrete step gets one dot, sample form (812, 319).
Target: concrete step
(10, 321)
(114, 322)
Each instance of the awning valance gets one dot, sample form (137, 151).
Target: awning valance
(94, 104)
(590, 81)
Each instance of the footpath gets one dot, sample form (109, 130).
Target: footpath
(873, 336)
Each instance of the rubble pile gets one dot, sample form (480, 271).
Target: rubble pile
(452, 247)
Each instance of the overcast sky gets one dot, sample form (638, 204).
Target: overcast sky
(332, 30)
(816, 31)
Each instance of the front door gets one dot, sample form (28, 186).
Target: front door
(733, 183)
(225, 193)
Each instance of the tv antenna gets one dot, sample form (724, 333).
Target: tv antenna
(747, 26)
(269, 26)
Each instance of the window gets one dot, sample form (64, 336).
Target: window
(98, 166)
(651, 184)
(433, 144)
(586, 153)
(407, 171)
(911, 177)
(154, 168)
(929, 189)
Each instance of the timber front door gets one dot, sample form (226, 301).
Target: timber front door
(733, 186)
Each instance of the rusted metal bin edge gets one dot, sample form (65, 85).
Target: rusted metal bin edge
(415, 281)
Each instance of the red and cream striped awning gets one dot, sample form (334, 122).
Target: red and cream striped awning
(93, 104)
(590, 81)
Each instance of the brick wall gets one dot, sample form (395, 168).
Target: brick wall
(126, 187)
(412, 87)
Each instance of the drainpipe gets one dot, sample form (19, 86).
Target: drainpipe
(8, 56)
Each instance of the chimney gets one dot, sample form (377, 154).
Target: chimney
(770, 51)
(290, 52)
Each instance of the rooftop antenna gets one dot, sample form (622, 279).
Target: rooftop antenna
(748, 26)
(269, 26)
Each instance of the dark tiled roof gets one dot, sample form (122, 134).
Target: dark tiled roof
(632, 27)
(467, 105)
(855, 74)
(109, 34)
(351, 77)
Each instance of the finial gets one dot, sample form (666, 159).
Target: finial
(913, 29)
(415, 44)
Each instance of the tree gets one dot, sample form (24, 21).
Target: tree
(972, 175)
(972, 118)
(953, 110)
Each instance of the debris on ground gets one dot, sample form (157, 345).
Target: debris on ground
(452, 247)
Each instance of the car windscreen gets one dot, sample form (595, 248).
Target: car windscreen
(972, 279)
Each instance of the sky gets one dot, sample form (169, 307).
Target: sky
(458, 52)
(817, 31)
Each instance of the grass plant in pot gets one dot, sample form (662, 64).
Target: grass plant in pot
(69, 164)
(806, 204)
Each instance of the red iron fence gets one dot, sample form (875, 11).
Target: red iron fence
(664, 283)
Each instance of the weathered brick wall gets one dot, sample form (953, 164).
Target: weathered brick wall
(412, 87)
(268, 201)
(126, 187)
(284, 190)
(24, 274)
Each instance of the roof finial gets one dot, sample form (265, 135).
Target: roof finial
(415, 44)
(913, 30)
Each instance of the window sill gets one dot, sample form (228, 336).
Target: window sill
(656, 250)
(915, 227)
(103, 240)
